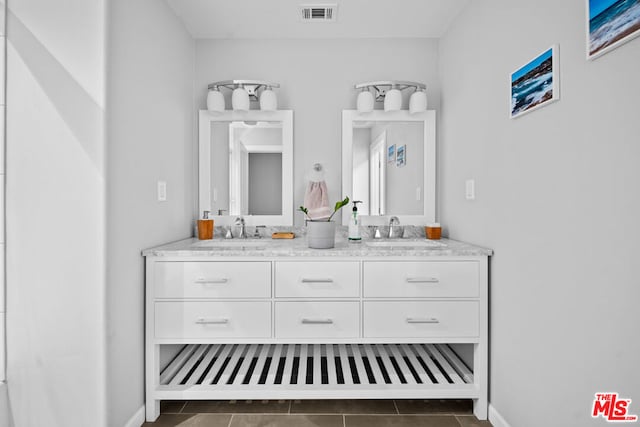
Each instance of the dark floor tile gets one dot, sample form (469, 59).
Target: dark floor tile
(401, 421)
(471, 421)
(353, 406)
(236, 407)
(435, 406)
(171, 406)
(286, 421)
(191, 420)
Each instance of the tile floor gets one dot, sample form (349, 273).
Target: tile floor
(317, 413)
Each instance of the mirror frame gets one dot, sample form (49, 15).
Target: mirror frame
(428, 118)
(204, 165)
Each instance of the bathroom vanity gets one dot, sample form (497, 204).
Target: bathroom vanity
(270, 319)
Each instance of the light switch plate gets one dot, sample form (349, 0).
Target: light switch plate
(470, 189)
(162, 191)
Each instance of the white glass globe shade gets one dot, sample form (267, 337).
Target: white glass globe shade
(240, 99)
(393, 100)
(365, 102)
(418, 102)
(268, 100)
(215, 101)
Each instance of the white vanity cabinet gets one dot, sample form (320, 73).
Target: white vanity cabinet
(352, 325)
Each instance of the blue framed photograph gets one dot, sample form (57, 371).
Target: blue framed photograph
(611, 23)
(536, 83)
(391, 153)
(401, 154)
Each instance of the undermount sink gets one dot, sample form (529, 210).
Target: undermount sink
(405, 244)
(230, 244)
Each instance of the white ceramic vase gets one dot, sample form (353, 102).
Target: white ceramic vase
(321, 234)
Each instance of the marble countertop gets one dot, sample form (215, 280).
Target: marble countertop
(268, 248)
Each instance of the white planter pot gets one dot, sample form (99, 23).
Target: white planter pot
(321, 234)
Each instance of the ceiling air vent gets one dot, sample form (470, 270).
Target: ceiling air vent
(318, 12)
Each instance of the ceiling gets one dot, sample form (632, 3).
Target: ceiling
(229, 19)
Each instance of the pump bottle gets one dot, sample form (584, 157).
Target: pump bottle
(354, 223)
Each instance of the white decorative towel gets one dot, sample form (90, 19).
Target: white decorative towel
(316, 200)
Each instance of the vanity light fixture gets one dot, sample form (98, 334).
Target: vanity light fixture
(390, 92)
(244, 91)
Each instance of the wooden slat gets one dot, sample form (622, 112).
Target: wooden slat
(211, 352)
(455, 361)
(302, 366)
(262, 358)
(170, 371)
(403, 365)
(188, 365)
(445, 365)
(248, 359)
(422, 374)
(286, 376)
(362, 372)
(440, 378)
(344, 362)
(235, 356)
(331, 365)
(317, 364)
(377, 373)
(395, 379)
(228, 348)
(275, 361)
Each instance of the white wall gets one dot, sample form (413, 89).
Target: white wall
(55, 213)
(557, 200)
(151, 128)
(3, 58)
(317, 78)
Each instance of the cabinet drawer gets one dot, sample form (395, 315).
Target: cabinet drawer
(200, 319)
(331, 279)
(326, 319)
(417, 319)
(421, 279)
(213, 279)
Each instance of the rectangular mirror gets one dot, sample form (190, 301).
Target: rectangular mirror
(389, 163)
(245, 166)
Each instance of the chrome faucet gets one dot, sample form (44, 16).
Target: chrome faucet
(243, 231)
(395, 230)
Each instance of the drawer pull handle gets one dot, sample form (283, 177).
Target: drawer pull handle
(203, 281)
(423, 280)
(418, 320)
(317, 321)
(203, 321)
(327, 280)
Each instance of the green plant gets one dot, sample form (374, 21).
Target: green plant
(339, 205)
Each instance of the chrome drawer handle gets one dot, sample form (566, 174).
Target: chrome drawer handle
(327, 280)
(203, 321)
(423, 280)
(317, 321)
(419, 320)
(203, 281)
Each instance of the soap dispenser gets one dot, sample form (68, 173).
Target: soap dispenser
(205, 227)
(354, 223)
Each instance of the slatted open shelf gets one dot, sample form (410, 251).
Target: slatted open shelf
(316, 371)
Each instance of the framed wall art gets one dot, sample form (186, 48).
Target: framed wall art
(536, 83)
(610, 23)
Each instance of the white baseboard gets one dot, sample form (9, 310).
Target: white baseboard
(137, 419)
(495, 418)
